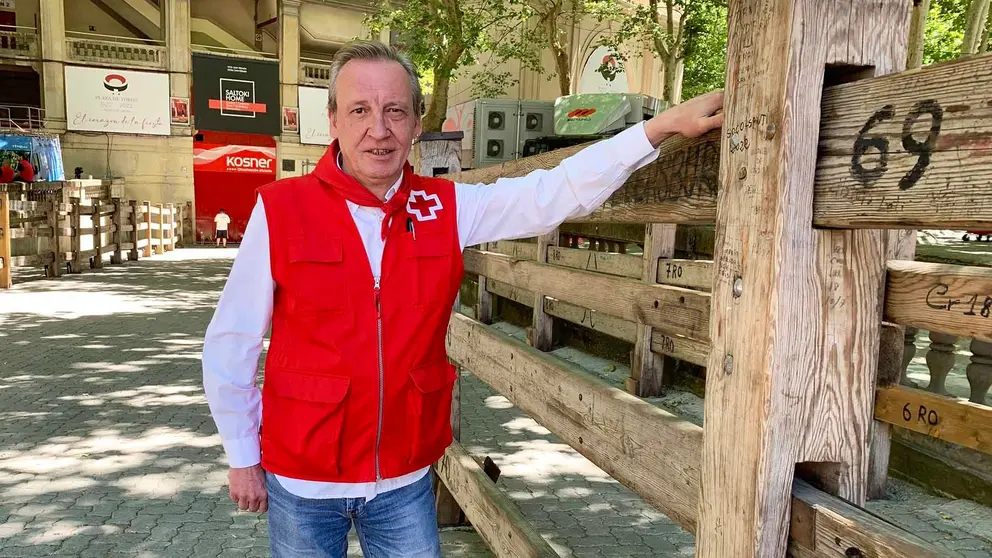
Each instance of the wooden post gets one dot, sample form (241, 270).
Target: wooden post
(795, 312)
(160, 248)
(148, 229)
(542, 328)
(449, 513)
(118, 234)
(901, 246)
(189, 231)
(646, 367)
(171, 210)
(6, 272)
(97, 261)
(76, 240)
(132, 220)
(484, 306)
(54, 269)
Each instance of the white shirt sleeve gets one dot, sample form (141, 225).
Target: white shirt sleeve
(535, 204)
(233, 344)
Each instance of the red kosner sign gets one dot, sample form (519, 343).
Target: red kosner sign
(235, 158)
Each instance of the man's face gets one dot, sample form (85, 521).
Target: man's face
(375, 121)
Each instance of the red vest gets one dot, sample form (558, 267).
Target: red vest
(357, 381)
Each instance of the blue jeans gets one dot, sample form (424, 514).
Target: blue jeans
(401, 522)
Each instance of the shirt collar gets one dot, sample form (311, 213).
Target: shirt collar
(390, 192)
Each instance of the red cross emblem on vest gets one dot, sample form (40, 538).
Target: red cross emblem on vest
(423, 205)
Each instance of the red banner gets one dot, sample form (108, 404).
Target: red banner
(234, 158)
(219, 104)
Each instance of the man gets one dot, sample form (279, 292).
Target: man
(356, 267)
(221, 221)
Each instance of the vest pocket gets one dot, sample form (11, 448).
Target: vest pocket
(316, 274)
(429, 410)
(303, 419)
(431, 252)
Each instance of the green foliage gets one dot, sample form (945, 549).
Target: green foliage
(705, 51)
(484, 32)
(944, 31)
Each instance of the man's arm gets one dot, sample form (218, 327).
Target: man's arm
(231, 349)
(535, 204)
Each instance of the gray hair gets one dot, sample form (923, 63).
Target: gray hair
(372, 50)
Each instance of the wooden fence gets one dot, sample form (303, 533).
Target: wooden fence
(800, 318)
(68, 235)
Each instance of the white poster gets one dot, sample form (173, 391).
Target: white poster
(315, 126)
(118, 101)
(591, 81)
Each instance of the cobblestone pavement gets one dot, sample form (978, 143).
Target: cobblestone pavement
(107, 447)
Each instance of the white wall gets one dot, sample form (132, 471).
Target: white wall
(159, 169)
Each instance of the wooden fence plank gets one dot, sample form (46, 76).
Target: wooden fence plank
(823, 525)
(673, 309)
(691, 274)
(495, 517)
(952, 420)
(622, 265)
(517, 249)
(619, 432)
(947, 298)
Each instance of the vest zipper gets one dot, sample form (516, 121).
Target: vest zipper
(378, 325)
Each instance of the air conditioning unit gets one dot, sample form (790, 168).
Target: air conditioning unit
(497, 129)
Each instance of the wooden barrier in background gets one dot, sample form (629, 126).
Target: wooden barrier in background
(75, 230)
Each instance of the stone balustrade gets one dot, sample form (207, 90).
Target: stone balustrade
(116, 53)
(19, 42)
(942, 361)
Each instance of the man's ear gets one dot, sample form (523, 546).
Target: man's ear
(333, 118)
(418, 128)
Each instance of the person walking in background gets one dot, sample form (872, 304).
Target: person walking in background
(357, 397)
(221, 221)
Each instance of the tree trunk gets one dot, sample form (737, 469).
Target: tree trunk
(673, 80)
(978, 11)
(437, 110)
(917, 33)
(558, 50)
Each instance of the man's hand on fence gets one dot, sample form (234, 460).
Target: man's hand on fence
(692, 118)
(248, 488)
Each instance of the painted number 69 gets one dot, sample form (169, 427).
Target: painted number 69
(923, 150)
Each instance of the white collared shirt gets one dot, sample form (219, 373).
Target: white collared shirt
(510, 208)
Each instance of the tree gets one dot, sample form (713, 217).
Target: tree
(442, 36)
(553, 17)
(669, 28)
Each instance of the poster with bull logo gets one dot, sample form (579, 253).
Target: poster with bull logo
(117, 101)
(236, 95)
